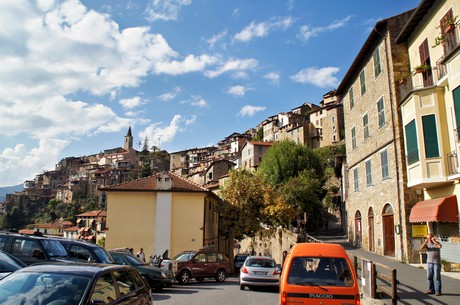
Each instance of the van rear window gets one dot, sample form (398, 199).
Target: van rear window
(320, 271)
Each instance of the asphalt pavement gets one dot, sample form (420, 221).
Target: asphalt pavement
(412, 278)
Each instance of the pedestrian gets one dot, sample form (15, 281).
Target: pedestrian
(284, 258)
(326, 223)
(433, 264)
(131, 250)
(141, 255)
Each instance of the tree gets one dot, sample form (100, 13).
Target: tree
(286, 159)
(250, 201)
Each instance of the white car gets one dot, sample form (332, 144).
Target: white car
(259, 271)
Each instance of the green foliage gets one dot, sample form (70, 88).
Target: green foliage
(259, 136)
(305, 193)
(287, 159)
(101, 242)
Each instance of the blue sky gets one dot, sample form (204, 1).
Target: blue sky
(74, 75)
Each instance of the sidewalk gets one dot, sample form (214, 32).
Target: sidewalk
(412, 278)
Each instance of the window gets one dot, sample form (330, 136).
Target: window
(355, 179)
(384, 164)
(430, 136)
(125, 282)
(366, 126)
(368, 173)
(351, 97)
(377, 66)
(353, 137)
(381, 112)
(456, 94)
(411, 143)
(79, 253)
(362, 80)
(104, 290)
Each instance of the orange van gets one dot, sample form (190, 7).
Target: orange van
(318, 273)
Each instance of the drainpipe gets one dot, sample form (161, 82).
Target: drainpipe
(395, 143)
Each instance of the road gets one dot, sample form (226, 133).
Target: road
(211, 293)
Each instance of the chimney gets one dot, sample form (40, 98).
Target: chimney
(164, 182)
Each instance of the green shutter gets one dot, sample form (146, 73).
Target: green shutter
(411, 143)
(456, 94)
(430, 136)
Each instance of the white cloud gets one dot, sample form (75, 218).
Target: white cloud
(158, 133)
(273, 77)
(234, 65)
(238, 90)
(168, 96)
(216, 38)
(262, 29)
(165, 9)
(249, 110)
(191, 120)
(129, 103)
(190, 64)
(199, 103)
(322, 77)
(306, 32)
(18, 162)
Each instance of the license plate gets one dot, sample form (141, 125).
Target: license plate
(260, 273)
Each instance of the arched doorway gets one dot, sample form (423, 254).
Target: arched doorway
(388, 231)
(358, 229)
(370, 220)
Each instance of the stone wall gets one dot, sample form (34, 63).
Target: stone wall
(271, 242)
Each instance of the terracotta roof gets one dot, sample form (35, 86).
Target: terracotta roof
(150, 184)
(94, 213)
(71, 229)
(27, 231)
(261, 143)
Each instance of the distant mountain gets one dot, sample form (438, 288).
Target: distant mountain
(9, 190)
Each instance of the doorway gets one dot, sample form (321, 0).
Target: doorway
(388, 231)
(370, 217)
(358, 229)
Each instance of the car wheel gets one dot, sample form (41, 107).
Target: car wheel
(220, 275)
(184, 277)
(242, 287)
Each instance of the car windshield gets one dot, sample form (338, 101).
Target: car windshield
(320, 271)
(8, 264)
(240, 258)
(53, 248)
(184, 257)
(134, 261)
(42, 288)
(103, 256)
(260, 262)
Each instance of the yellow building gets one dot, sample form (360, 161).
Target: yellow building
(161, 212)
(430, 109)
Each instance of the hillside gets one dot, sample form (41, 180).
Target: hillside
(8, 190)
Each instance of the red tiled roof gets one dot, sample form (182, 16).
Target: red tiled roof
(71, 229)
(95, 213)
(27, 231)
(150, 184)
(261, 143)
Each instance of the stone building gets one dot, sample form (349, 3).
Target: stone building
(377, 198)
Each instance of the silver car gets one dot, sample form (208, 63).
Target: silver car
(259, 271)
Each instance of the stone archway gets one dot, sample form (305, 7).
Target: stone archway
(370, 221)
(388, 230)
(358, 229)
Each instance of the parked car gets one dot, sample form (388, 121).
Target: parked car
(31, 248)
(200, 265)
(259, 271)
(74, 284)
(239, 260)
(319, 273)
(9, 263)
(85, 251)
(158, 278)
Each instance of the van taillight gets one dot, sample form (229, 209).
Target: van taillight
(244, 270)
(357, 300)
(283, 298)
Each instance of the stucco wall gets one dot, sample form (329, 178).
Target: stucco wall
(131, 221)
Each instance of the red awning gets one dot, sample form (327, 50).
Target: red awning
(443, 209)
